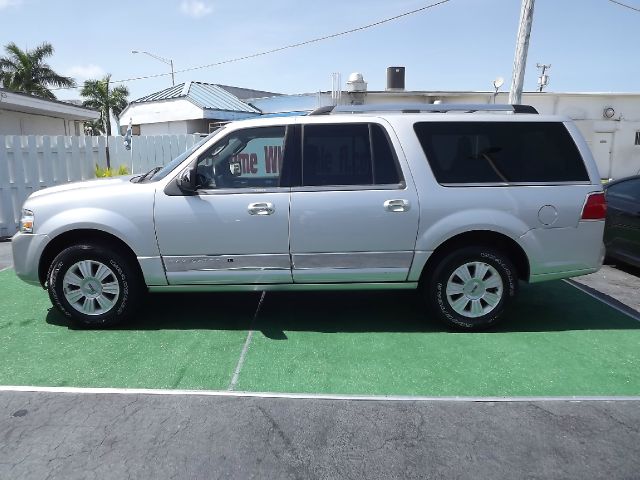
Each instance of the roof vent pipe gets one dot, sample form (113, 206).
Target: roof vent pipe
(356, 83)
(395, 78)
(356, 89)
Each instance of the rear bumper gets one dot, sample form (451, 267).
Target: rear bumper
(564, 252)
(27, 250)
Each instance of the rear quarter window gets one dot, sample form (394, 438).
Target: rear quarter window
(501, 152)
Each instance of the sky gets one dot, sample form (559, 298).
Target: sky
(592, 45)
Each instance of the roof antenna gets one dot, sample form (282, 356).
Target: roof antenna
(497, 83)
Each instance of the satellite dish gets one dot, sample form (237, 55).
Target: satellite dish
(498, 82)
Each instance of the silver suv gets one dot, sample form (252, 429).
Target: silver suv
(459, 202)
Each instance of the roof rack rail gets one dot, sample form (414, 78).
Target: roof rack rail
(425, 108)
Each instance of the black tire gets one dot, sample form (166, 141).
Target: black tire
(474, 292)
(120, 273)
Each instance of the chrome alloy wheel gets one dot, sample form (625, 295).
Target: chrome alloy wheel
(91, 287)
(474, 289)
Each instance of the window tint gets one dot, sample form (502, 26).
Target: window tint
(487, 152)
(627, 190)
(385, 165)
(347, 154)
(249, 158)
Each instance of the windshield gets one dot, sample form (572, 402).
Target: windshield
(169, 167)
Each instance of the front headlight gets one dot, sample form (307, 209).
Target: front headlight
(26, 221)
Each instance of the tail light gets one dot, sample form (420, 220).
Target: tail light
(595, 208)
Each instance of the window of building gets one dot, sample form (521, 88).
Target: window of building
(637, 141)
(347, 154)
(500, 152)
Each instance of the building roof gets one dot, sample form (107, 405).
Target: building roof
(26, 103)
(245, 93)
(203, 95)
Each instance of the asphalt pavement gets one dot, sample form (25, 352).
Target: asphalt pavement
(115, 436)
(615, 281)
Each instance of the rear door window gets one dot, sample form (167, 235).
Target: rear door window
(347, 154)
(501, 152)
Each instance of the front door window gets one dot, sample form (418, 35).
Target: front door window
(248, 158)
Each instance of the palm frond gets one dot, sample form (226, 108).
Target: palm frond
(26, 71)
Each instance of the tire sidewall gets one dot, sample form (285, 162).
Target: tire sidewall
(122, 272)
(444, 270)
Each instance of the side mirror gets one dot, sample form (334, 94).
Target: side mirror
(187, 180)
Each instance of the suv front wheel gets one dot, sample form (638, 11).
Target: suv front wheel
(92, 286)
(470, 288)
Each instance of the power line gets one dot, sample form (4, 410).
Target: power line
(279, 49)
(625, 5)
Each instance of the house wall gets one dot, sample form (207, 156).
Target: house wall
(290, 103)
(175, 128)
(17, 123)
(161, 112)
(198, 126)
(164, 128)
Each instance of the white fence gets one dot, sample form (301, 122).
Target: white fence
(33, 162)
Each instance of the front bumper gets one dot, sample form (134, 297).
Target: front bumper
(27, 250)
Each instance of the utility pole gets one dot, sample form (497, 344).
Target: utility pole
(107, 126)
(522, 46)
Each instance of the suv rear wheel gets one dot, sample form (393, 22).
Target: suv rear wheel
(470, 288)
(93, 286)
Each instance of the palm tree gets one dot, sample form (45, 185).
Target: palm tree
(93, 128)
(107, 101)
(25, 71)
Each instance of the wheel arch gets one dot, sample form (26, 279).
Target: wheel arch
(488, 238)
(84, 236)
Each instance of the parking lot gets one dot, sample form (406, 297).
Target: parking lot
(557, 343)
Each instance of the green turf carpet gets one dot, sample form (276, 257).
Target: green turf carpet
(166, 346)
(555, 341)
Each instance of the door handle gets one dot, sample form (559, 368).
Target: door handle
(261, 208)
(398, 205)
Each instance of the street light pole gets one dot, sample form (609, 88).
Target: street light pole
(167, 61)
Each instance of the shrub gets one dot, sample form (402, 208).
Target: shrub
(109, 172)
(103, 172)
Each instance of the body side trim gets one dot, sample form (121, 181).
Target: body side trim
(352, 260)
(227, 262)
(285, 287)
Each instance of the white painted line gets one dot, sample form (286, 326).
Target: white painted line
(6, 268)
(245, 348)
(630, 313)
(310, 396)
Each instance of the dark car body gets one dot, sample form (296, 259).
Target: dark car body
(622, 228)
